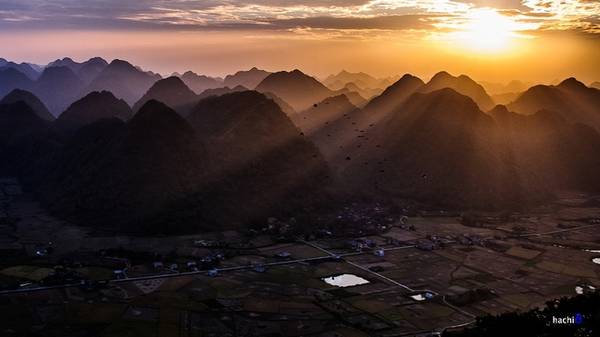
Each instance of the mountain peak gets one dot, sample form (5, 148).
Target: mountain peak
(571, 83)
(19, 95)
(296, 88)
(499, 109)
(95, 106)
(97, 60)
(441, 76)
(171, 91)
(407, 77)
(56, 71)
(156, 122)
(169, 82)
(463, 85)
(394, 95)
(121, 64)
(156, 115)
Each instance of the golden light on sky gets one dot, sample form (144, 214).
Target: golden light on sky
(485, 30)
(540, 40)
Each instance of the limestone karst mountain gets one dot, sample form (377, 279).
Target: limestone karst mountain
(248, 79)
(57, 87)
(172, 92)
(31, 100)
(571, 99)
(200, 83)
(462, 84)
(93, 107)
(124, 80)
(296, 88)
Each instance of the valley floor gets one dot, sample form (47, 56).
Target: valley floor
(424, 274)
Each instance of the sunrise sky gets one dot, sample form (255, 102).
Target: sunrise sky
(499, 40)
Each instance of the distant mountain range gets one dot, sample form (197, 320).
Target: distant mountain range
(132, 151)
(124, 80)
(571, 99)
(200, 83)
(462, 84)
(172, 92)
(27, 69)
(248, 79)
(296, 88)
(364, 84)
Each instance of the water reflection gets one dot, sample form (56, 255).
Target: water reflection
(345, 280)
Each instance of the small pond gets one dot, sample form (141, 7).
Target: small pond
(345, 280)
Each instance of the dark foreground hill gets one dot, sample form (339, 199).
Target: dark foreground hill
(31, 100)
(239, 159)
(259, 159)
(26, 140)
(91, 108)
(571, 99)
(441, 149)
(171, 91)
(118, 175)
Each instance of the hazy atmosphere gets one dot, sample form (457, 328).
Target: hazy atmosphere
(323, 168)
(497, 40)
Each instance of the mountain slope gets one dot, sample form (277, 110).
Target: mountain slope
(172, 92)
(25, 140)
(395, 95)
(571, 99)
(328, 110)
(562, 155)
(124, 80)
(440, 149)
(91, 108)
(361, 81)
(338, 137)
(121, 176)
(200, 83)
(297, 89)
(461, 84)
(91, 68)
(58, 87)
(220, 91)
(24, 68)
(249, 79)
(11, 79)
(31, 100)
(261, 165)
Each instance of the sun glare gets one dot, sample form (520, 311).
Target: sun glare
(487, 30)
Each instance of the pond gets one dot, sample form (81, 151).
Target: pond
(344, 280)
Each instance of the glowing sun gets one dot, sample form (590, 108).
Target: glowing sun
(487, 30)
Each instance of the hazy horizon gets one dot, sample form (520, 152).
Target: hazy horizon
(495, 41)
